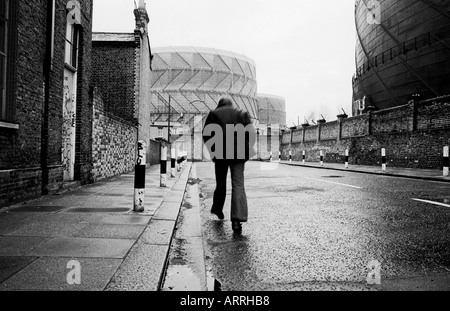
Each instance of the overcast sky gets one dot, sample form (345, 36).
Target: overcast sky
(303, 49)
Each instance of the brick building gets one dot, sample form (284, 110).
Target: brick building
(121, 76)
(45, 112)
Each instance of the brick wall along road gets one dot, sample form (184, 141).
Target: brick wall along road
(414, 136)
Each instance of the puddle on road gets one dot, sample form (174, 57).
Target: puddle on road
(181, 278)
(194, 181)
(186, 205)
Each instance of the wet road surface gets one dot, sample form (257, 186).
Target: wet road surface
(312, 229)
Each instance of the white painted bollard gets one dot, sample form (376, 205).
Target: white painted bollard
(383, 160)
(163, 165)
(321, 158)
(173, 161)
(279, 156)
(290, 155)
(177, 155)
(446, 161)
(184, 159)
(271, 156)
(139, 177)
(346, 158)
(304, 157)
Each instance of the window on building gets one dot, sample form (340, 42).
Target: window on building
(3, 49)
(8, 42)
(161, 132)
(72, 39)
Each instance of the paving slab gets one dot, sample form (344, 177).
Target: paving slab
(108, 231)
(168, 211)
(37, 209)
(48, 228)
(19, 246)
(11, 265)
(51, 274)
(82, 247)
(14, 221)
(159, 232)
(175, 196)
(179, 186)
(119, 220)
(97, 210)
(142, 269)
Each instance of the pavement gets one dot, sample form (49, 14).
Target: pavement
(116, 249)
(91, 235)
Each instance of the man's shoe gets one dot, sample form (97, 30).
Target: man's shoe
(220, 214)
(236, 226)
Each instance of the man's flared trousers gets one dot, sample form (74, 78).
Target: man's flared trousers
(239, 208)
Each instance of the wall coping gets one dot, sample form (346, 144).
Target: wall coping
(440, 98)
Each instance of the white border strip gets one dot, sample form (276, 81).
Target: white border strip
(432, 202)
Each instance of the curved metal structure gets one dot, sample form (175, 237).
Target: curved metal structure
(403, 48)
(272, 109)
(196, 78)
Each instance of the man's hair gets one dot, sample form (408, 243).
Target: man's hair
(225, 101)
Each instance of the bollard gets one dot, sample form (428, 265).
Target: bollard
(172, 162)
(139, 177)
(304, 156)
(383, 160)
(321, 158)
(163, 165)
(446, 161)
(346, 158)
(178, 159)
(290, 155)
(279, 156)
(271, 156)
(184, 159)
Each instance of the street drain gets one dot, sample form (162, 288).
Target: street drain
(332, 176)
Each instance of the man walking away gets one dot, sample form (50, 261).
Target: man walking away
(231, 146)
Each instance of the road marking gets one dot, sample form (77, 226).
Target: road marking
(336, 183)
(432, 202)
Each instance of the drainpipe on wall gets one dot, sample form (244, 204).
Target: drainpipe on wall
(48, 64)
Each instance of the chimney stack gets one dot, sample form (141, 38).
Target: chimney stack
(141, 17)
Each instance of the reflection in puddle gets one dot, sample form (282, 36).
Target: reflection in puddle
(181, 278)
